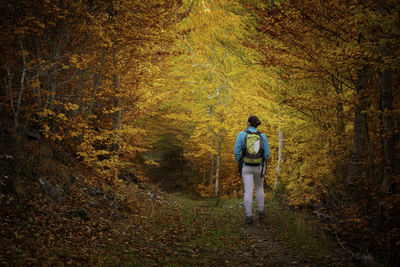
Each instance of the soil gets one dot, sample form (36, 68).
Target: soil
(265, 250)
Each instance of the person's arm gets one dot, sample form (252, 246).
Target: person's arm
(238, 146)
(266, 147)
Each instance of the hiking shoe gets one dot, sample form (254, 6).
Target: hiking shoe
(249, 219)
(261, 215)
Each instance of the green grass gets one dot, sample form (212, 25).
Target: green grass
(298, 229)
(213, 229)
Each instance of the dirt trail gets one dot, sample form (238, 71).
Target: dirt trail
(264, 250)
(259, 246)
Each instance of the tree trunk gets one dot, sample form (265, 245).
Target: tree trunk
(220, 142)
(52, 104)
(34, 50)
(116, 117)
(389, 155)
(354, 168)
(22, 87)
(96, 83)
(339, 171)
(10, 91)
(278, 168)
(339, 108)
(211, 174)
(218, 163)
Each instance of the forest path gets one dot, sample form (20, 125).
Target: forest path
(263, 250)
(139, 227)
(214, 234)
(283, 238)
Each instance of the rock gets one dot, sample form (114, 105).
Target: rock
(54, 191)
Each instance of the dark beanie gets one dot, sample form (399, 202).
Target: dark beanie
(254, 121)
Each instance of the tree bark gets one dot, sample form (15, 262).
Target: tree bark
(211, 174)
(228, 87)
(339, 171)
(52, 99)
(96, 84)
(10, 89)
(389, 155)
(278, 167)
(22, 87)
(339, 108)
(116, 117)
(218, 163)
(354, 168)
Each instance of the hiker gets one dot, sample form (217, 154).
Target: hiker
(251, 151)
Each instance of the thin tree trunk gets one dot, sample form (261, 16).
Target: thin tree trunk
(339, 108)
(228, 87)
(354, 168)
(280, 147)
(22, 87)
(10, 89)
(220, 141)
(52, 104)
(55, 50)
(96, 84)
(211, 173)
(278, 168)
(16, 108)
(218, 163)
(339, 171)
(116, 117)
(35, 51)
(389, 137)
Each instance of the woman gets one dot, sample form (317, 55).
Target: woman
(251, 167)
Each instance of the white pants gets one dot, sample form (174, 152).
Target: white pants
(252, 176)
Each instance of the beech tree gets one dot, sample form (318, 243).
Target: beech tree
(72, 68)
(339, 95)
(109, 80)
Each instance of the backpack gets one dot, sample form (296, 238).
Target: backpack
(253, 150)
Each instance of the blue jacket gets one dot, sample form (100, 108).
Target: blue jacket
(239, 144)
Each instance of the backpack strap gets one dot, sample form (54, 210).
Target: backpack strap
(248, 132)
